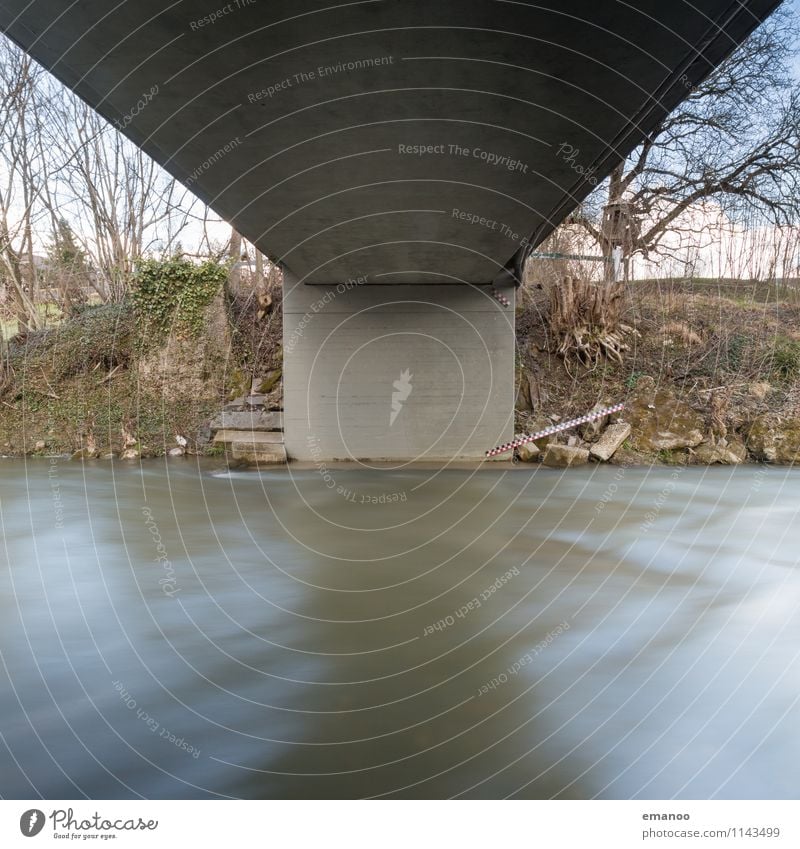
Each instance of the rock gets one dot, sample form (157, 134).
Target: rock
(40, 445)
(561, 456)
(82, 454)
(275, 399)
(529, 393)
(591, 430)
(537, 424)
(761, 440)
(528, 452)
(729, 454)
(176, 452)
(613, 436)
(523, 404)
(110, 456)
(660, 421)
(775, 440)
(269, 381)
(129, 454)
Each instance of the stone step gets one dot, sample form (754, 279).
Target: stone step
(255, 437)
(256, 420)
(262, 454)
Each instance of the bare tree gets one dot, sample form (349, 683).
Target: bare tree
(22, 172)
(119, 199)
(735, 139)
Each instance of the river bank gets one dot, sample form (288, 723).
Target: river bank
(711, 375)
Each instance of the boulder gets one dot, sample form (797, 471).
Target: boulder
(176, 452)
(528, 452)
(274, 400)
(537, 424)
(82, 454)
(129, 454)
(591, 430)
(561, 456)
(523, 403)
(269, 381)
(729, 454)
(613, 436)
(775, 440)
(660, 421)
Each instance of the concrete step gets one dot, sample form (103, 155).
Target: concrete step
(256, 420)
(254, 437)
(261, 453)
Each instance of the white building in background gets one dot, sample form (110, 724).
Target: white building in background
(706, 242)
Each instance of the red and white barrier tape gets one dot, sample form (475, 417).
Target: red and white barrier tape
(556, 428)
(500, 298)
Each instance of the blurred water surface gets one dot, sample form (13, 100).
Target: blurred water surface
(174, 630)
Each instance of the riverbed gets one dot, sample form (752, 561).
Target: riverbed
(179, 630)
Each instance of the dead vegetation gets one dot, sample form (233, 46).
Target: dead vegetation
(723, 346)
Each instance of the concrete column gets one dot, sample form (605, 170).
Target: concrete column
(399, 373)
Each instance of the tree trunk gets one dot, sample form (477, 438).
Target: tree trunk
(585, 320)
(259, 278)
(236, 258)
(262, 289)
(616, 229)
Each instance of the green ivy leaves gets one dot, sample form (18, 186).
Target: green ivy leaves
(171, 295)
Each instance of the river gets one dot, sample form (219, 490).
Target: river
(178, 630)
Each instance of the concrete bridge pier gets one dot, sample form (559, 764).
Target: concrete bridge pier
(399, 373)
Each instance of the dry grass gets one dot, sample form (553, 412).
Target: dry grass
(693, 338)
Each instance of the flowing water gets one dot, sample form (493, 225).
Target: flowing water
(177, 630)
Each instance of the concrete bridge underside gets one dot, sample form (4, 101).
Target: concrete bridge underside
(396, 157)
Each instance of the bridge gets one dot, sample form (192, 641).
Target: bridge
(400, 158)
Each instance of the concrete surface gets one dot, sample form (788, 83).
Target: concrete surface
(345, 351)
